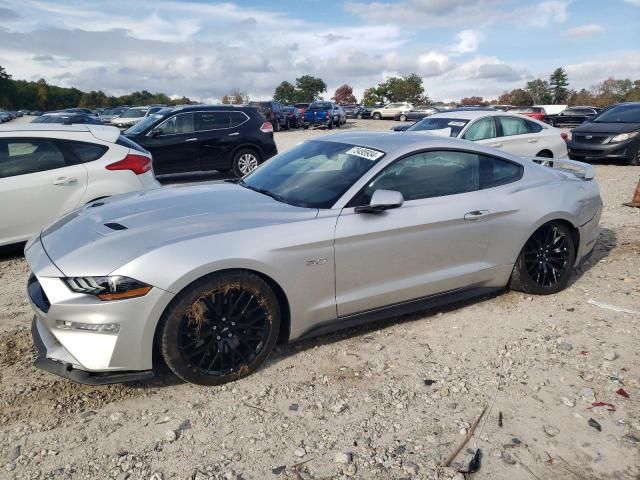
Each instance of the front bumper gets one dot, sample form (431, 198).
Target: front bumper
(84, 355)
(620, 150)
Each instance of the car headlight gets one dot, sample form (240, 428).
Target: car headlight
(623, 136)
(108, 288)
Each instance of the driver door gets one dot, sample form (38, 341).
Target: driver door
(435, 242)
(174, 145)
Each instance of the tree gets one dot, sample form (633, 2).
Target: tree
(6, 89)
(539, 90)
(370, 97)
(472, 101)
(42, 94)
(518, 97)
(308, 88)
(583, 97)
(285, 93)
(344, 95)
(237, 97)
(558, 83)
(612, 91)
(401, 89)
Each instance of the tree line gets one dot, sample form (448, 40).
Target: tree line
(39, 95)
(557, 90)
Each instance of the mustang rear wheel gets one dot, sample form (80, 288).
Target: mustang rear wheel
(220, 328)
(545, 262)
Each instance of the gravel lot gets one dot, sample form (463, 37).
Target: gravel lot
(387, 401)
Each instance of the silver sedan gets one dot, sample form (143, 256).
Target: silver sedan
(339, 230)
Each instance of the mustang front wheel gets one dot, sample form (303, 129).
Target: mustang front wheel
(545, 262)
(220, 328)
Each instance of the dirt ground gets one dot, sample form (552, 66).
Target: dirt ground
(387, 401)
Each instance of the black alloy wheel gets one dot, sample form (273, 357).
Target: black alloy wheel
(545, 262)
(221, 328)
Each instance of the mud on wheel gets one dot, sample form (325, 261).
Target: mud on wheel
(220, 328)
(546, 260)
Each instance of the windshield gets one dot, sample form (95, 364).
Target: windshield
(320, 106)
(143, 125)
(439, 123)
(314, 174)
(134, 113)
(620, 114)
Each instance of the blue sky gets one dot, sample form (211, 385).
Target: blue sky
(204, 49)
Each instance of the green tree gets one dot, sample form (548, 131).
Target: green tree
(344, 95)
(582, 97)
(517, 97)
(370, 97)
(309, 88)
(558, 83)
(539, 90)
(286, 93)
(42, 94)
(7, 90)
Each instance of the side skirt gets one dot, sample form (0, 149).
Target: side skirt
(396, 310)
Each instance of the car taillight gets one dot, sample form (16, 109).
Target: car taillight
(266, 127)
(138, 164)
(564, 136)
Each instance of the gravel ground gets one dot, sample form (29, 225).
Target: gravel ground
(387, 401)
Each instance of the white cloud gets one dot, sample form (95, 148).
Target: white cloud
(633, 2)
(584, 31)
(547, 12)
(468, 41)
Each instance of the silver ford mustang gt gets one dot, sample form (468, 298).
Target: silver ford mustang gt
(337, 231)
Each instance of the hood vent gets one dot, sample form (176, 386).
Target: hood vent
(115, 226)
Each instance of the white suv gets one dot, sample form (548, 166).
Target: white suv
(391, 110)
(47, 170)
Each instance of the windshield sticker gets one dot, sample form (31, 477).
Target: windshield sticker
(456, 124)
(367, 153)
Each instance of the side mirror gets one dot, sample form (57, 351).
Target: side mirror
(382, 200)
(156, 132)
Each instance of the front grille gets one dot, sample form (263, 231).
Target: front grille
(37, 295)
(589, 138)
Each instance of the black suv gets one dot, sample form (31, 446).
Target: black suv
(356, 111)
(203, 137)
(572, 116)
(274, 112)
(613, 134)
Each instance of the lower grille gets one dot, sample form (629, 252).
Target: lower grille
(37, 295)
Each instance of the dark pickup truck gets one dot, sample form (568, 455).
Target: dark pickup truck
(321, 114)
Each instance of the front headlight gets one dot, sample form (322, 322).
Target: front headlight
(623, 136)
(108, 288)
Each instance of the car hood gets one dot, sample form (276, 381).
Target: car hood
(106, 234)
(594, 127)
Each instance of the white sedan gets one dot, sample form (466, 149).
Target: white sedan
(512, 133)
(47, 170)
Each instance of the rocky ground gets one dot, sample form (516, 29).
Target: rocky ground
(388, 401)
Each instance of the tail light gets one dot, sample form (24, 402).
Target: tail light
(266, 127)
(564, 136)
(138, 164)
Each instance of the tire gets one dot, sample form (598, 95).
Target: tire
(403, 118)
(287, 125)
(359, 116)
(377, 116)
(305, 126)
(245, 161)
(330, 125)
(220, 328)
(276, 126)
(635, 161)
(536, 271)
(545, 154)
(339, 123)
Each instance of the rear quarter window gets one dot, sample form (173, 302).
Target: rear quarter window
(85, 152)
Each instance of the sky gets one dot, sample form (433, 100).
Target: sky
(205, 49)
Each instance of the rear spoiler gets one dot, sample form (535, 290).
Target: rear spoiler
(580, 169)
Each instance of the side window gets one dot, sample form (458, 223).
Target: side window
(85, 152)
(533, 126)
(513, 126)
(178, 124)
(23, 156)
(495, 172)
(428, 174)
(481, 130)
(237, 118)
(212, 120)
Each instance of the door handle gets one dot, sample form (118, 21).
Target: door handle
(532, 140)
(476, 214)
(191, 140)
(65, 180)
(234, 134)
(496, 145)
